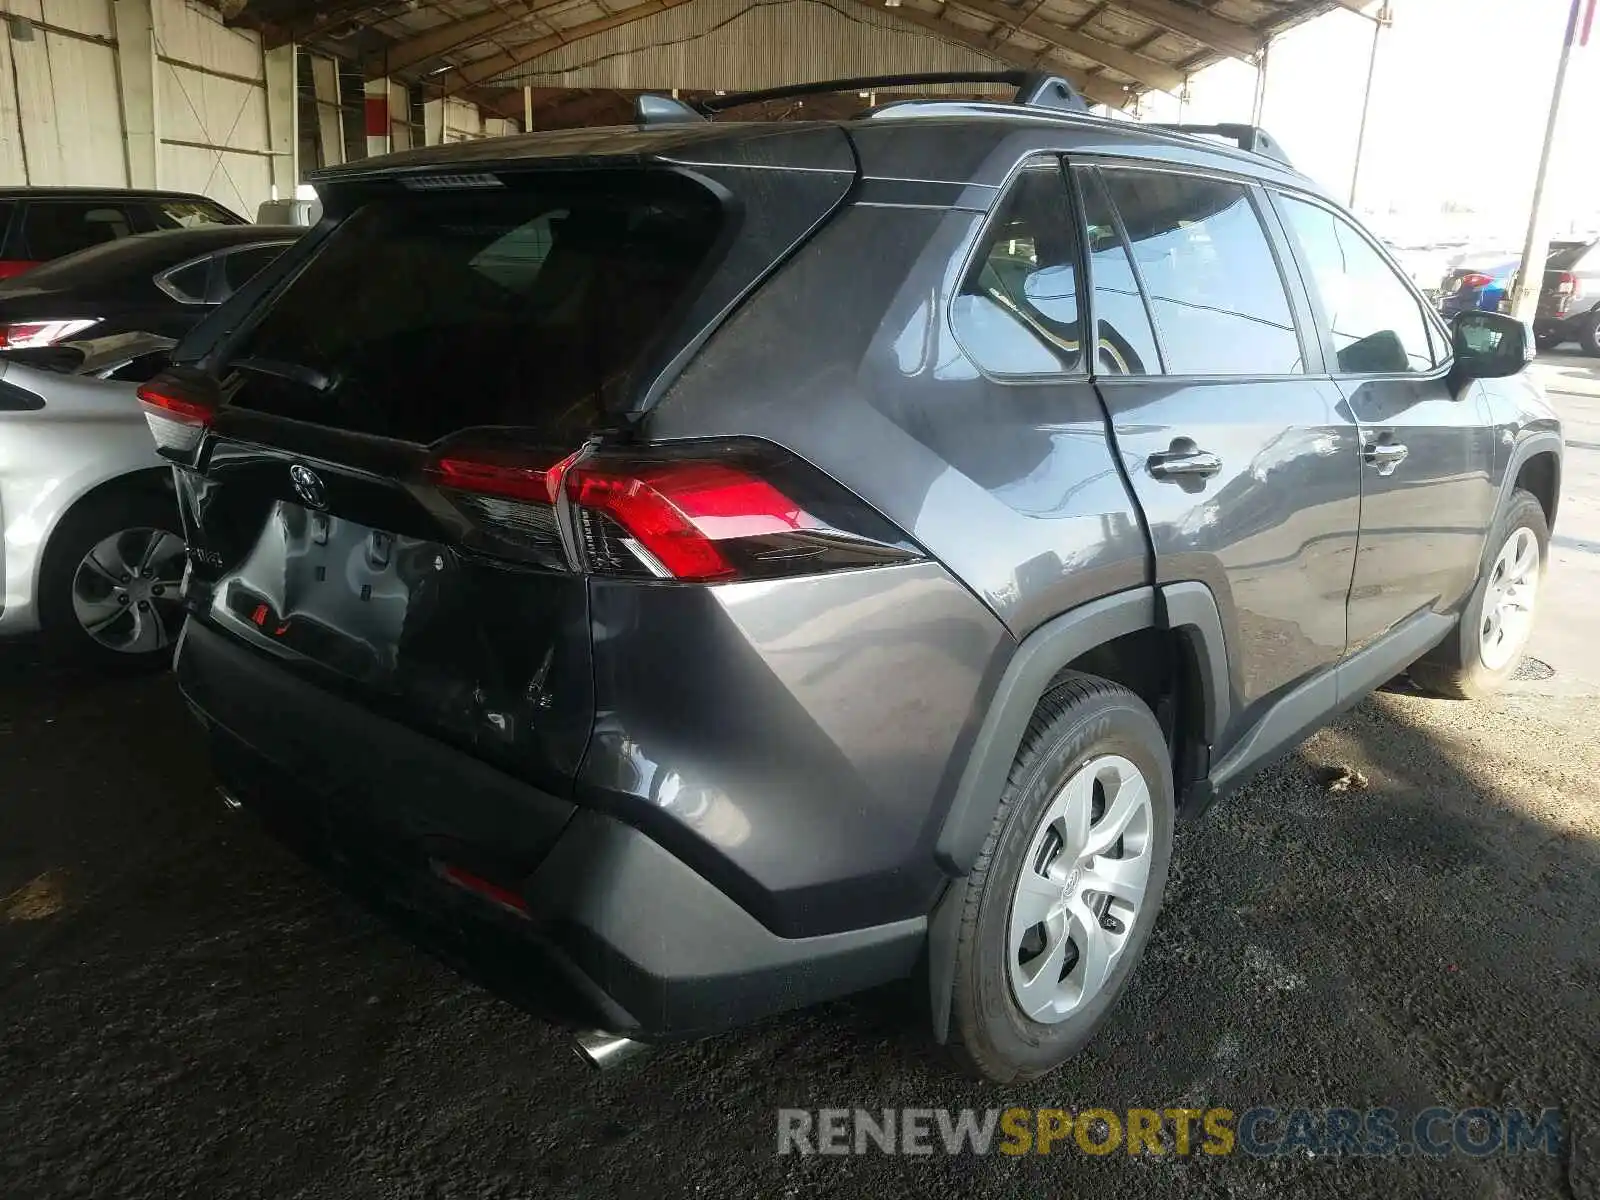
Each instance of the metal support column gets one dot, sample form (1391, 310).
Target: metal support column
(1382, 21)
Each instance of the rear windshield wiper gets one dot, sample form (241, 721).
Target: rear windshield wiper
(294, 372)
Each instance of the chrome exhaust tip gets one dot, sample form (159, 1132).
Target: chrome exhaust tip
(603, 1051)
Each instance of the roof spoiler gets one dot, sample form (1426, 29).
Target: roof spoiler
(1247, 137)
(1034, 89)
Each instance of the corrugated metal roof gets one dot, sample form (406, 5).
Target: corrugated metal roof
(1112, 49)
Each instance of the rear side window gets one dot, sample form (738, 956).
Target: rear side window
(53, 228)
(1125, 342)
(1375, 319)
(241, 266)
(1215, 290)
(187, 284)
(428, 313)
(1017, 311)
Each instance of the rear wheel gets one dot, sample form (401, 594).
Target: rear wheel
(108, 591)
(1066, 890)
(1589, 334)
(1488, 645)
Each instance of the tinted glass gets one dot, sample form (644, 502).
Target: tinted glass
(54, 228)
(1215, 291)
(1126, 345)
(1376, 321)
(189, 283)
(240, 267)
(1567, 256)
(432, 313)
(1017, 313)
(188, 214)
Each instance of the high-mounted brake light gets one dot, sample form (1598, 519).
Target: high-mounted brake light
(177, 418)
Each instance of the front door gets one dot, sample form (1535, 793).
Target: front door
(1427, 480)
(1245, 460)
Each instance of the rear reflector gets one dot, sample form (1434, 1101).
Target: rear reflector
(500, 897)
(178, 419)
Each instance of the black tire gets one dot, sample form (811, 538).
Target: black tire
(1080, 719)
(101, 515)
(1588, 338)
(1455, 668)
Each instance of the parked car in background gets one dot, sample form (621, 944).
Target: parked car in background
(157, 283)
(92, 542)
(41, 224)
(691, 594)
(91, 547)
(1569, 299)
(1481, 286)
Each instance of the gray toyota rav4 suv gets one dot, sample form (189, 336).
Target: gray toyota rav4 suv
(688, 571)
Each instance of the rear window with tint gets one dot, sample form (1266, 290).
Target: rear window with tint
(1566, 257)
(55, 228)
(425, 314)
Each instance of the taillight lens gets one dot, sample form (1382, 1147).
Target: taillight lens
(1475, 279)
(31, 335)
(10, 268)
(1567, 284)
(711, 513)
(178, 414)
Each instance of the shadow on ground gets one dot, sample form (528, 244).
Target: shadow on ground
(189, 1011)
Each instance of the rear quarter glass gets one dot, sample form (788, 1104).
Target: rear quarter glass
(424, 314)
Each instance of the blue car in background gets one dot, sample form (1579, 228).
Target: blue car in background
(1466, 288)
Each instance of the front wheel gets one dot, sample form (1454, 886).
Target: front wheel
(109, 587)
(1497, 622)
(1589, 335)
(1066, 890)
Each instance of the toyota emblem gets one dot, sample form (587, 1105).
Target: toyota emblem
(308, 486)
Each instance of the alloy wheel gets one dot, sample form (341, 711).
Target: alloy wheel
(1506, 621)
(125, 590)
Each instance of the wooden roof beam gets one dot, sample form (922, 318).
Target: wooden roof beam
(496, 65)
(442, 39)
(1233, 39)
(1097, 90)
(1146, 70)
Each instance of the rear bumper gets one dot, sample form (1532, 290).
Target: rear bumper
(613, 930)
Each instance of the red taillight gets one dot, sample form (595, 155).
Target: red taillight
(1567, 285)
(10, 268)
(32, 335)
(1476, 279)
(680, 511)
(501, 897)
(178, 418)
(729, 511)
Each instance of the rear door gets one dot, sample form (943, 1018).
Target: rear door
(1427, 479)
(1241, 450)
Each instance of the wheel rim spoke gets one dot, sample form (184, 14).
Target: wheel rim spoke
(1081, 889)
(116, 603)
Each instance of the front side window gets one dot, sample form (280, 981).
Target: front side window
(1377, 323)
(1017, 311)
(1215, 291)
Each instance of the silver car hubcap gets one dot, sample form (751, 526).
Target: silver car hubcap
(1081, 888)
(1507, 617)
(125, 591)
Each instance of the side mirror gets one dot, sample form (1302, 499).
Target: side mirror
(1491, 345)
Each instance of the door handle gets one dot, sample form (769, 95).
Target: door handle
(1184, 460)
(1386, 456)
